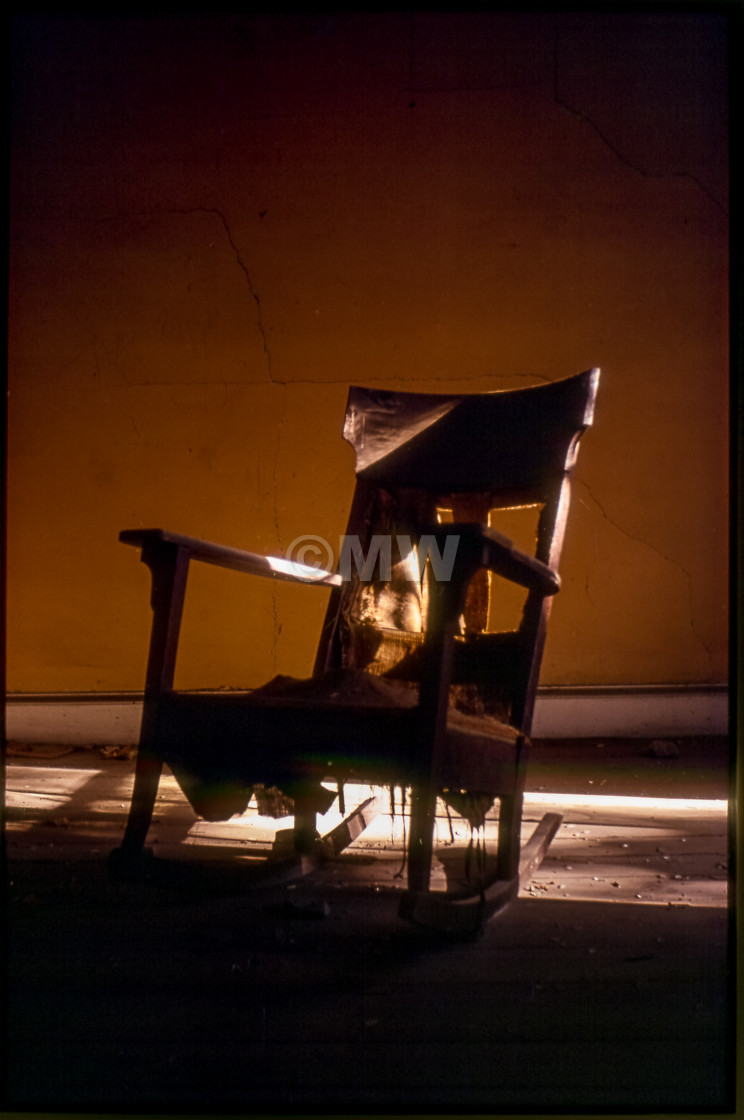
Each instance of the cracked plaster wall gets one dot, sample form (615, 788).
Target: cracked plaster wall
(220, 222)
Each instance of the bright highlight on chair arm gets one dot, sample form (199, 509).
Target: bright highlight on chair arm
(235, 559)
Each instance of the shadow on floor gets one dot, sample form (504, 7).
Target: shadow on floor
(131, 996)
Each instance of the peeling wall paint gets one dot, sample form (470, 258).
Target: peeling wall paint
(220, 222)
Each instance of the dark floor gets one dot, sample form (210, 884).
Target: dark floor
(604, 987)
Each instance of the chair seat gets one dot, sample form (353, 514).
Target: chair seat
(348, 725)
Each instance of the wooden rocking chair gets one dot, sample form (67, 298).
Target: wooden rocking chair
(409, 686)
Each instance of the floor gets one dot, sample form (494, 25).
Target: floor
(606, 986)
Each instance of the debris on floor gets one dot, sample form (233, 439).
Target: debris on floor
(662, 748)
(125, 751)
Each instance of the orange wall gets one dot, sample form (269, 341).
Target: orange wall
(219, 223)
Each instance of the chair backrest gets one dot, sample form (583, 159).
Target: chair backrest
(423, 458)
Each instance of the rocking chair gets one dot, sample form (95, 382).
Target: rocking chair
(409, 688)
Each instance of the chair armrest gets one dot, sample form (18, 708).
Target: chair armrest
(236, 559)
(509, 561)
(486, 548)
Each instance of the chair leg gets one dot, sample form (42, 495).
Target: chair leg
(311, 799)
(509, 837)
(421, 839)
(305, 831)
(146, 779)
(169, 565)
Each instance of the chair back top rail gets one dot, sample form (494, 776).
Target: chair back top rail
(514, 440)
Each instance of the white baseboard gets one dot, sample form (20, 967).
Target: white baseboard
(560, 713)
(631, 713)
(73, 720)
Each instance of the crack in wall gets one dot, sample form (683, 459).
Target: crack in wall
(214, 210)
(386, 382)
(662, 556)
(217, 213)
(277, 445)
(277, 530)
(560, 100)
(586, 592)
(244, 269)
(621, 156)
(262, 331)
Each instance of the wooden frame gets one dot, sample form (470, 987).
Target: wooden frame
(382, 705)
